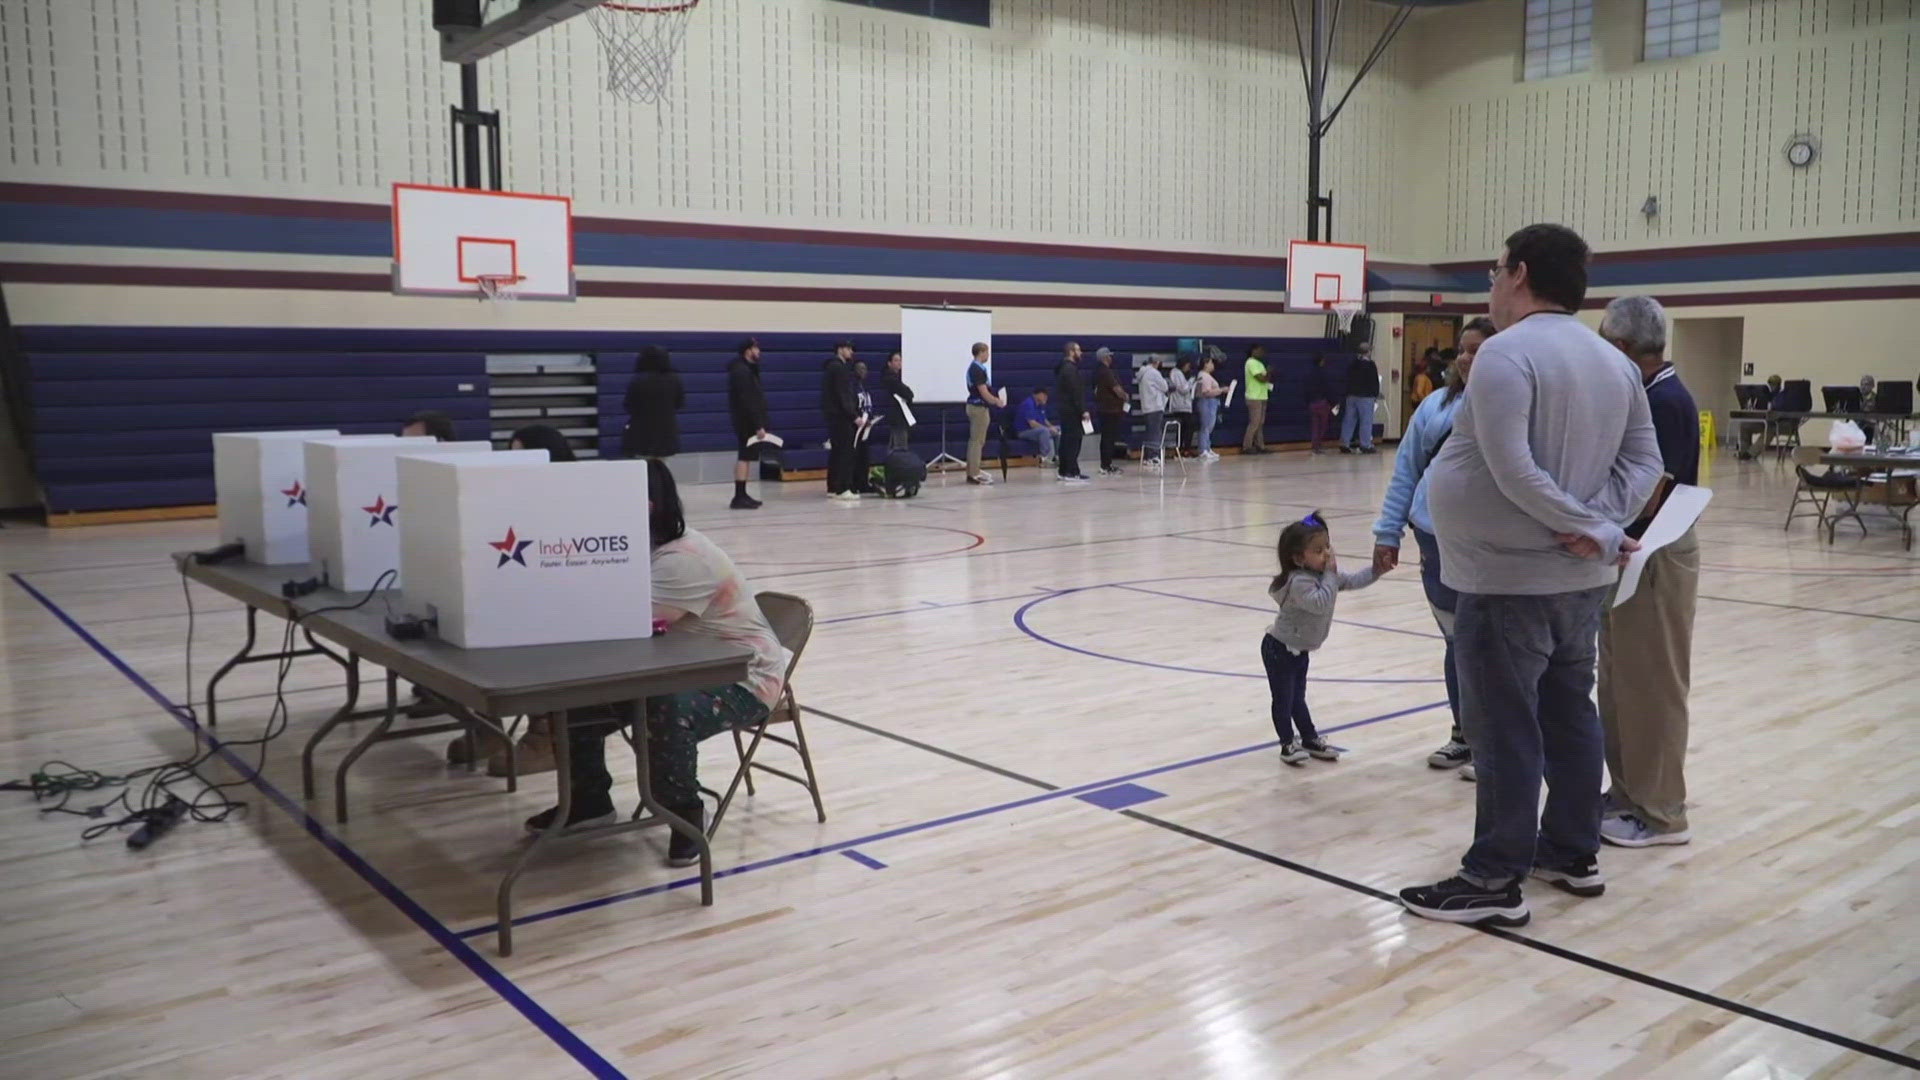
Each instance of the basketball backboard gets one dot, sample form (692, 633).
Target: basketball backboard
(1320, 276)
(445, 240)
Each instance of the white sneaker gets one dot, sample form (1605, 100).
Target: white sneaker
(1628, 830)
(1469, 774)
(980, 478)
(1209, 456)
(1078, 480)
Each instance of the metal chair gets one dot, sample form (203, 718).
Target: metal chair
(1170, 436)
(1820, 491)
(792, 620)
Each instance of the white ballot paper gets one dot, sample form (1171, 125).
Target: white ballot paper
(767, 438)
(1086, 426)
(1228, 400)
(1683, 507)
(906, 414)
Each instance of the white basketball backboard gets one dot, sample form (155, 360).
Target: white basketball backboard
(446, 239)
(1322, 275)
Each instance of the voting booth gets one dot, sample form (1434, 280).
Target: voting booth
(259, 480)
(509, 549)
(353, 504)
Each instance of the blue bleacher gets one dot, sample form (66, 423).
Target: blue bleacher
(121, 418)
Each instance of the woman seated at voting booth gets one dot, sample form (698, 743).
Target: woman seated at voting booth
(696, 590)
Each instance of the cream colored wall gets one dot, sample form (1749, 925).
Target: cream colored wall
(1704, 134)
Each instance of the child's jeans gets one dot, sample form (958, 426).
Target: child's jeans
(1287, 678)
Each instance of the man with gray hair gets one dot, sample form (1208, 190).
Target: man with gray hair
(1646, 644)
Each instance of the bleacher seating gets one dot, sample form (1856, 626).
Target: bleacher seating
(121, 418)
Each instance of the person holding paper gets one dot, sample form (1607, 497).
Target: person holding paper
(1207, 395)
(1552, 452)
(898, 396)
(981, 400)
(841, 407)
(1111, 399)
(747, 408)
(1153, 409)
(1259, 389)
(1180, 387)
(1031, 424)
(1646, 643)
(1070, 394)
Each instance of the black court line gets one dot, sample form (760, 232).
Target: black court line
(1547, 948)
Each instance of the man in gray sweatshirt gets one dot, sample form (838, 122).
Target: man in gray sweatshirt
(1552, 453)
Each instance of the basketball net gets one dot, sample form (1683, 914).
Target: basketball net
(499, 288)
(639, 42)
(1346, 313)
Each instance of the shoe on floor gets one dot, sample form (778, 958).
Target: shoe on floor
(846, 497)
(532, 754)
(980, 478)
(1109, 470)
(1076, 480)
(1346, 449)
(1457, 900)
(1322, 749)
(1369, 450)
(1628, 830)
(744, 502)
(460, 751)
(681, 849)
(586, 813)
(1293, 753)
(1451, 756)
(1579, 878)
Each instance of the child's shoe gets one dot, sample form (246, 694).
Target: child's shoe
(1322, 749)
(1293, 754)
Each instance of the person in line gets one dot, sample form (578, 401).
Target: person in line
(1756, 434)
(1031, 424)
(654, 399)
(1406, 504)
(1323, 396)
(1070, 394)
(1153, 409)
(898, 397)
(1305, 589)
(840, 405)
(747, 409)
(1646, 644)
(1423, 376)
(699, 593)
(981, 401)
(1110, 398)
(429, 422)
(1259, 389)
(863, 432)
(1552, 452)
(1363, 390)
(1207, 396)
(1180, 402)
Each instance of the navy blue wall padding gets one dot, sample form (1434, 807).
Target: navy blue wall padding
(123, 417)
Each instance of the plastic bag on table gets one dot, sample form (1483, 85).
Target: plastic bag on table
(1846, 437)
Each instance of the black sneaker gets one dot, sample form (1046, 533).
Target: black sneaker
(1346, 449)
(744, 502)
(682, 850)
(1293, 753)
(1321, 749)
(1580, 878)
(1457, 900)
(586, 812)
(1451, 756)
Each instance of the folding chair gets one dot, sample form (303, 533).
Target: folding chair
(1820, 491)
(792, 620)
(1170, 436)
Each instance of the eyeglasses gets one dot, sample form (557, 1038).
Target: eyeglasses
(1493, 272)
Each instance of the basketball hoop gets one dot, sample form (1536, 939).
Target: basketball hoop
(499, 288)
(640, 42)
(1346, 313)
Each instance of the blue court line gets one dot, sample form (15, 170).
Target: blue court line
(548, 1024)
(864, 860)
(1269, 610)
(919, 827)
(929, 605)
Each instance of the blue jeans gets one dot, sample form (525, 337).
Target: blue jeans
(1156, 435)
(1287, 679)
(1526, 668)
(1356, 427)
(1442, 601)
(1041, 437)
(1209, 416)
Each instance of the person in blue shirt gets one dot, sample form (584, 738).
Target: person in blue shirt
(1406, 504)
(1032, 424)
(981, 400)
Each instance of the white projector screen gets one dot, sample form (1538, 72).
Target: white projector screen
(936, 345)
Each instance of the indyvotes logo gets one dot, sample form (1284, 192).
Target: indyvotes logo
(563, 551)
(381, 512)
(296, 495)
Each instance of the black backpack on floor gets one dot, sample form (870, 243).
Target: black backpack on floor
(902, 475)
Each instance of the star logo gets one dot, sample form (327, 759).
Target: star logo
(511, 549)
(381, 511)
(296, 495)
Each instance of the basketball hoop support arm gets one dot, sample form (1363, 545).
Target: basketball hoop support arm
(467, 122)
(1323, 21)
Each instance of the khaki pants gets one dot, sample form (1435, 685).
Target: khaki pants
(1256, 420)
(978, 417)
(1646, 647)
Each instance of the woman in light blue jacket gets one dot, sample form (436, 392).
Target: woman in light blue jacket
(1406, 504)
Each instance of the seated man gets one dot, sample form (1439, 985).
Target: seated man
(1031, 424)
(699, 592)
(1756, 434)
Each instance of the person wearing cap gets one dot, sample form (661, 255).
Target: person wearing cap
(980, 401)
(747, 408)
(1110, 398)
(840, 404)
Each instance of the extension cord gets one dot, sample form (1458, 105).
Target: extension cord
(159, 823)
(292, 590)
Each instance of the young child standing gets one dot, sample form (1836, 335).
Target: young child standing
(1305, 589)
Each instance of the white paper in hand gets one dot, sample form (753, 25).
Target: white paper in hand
(1228, 400)
(1086, 426)
(906, 414)
(1683, 507)
(767, 438)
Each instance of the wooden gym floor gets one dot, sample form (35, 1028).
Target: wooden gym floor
(992, 669)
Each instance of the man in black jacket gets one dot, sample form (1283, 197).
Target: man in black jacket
(1363, 389)
(898, 396)
(747, 408)
(1071, 394)
(841, 407)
